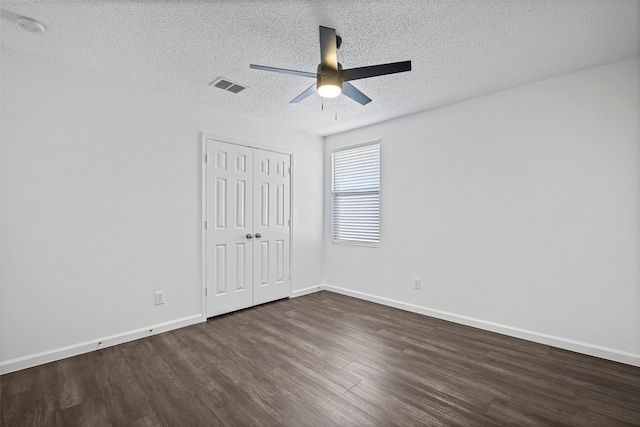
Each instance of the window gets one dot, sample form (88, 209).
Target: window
(355, 195)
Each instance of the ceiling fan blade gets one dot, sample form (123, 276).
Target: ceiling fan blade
(375, 70)
(328, 48)
(283, 71)
(304, 94)
(350, 90)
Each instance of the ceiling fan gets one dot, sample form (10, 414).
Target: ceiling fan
(331, 79)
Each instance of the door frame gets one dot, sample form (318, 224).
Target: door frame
(203, 202)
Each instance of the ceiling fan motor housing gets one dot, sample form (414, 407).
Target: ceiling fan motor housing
(324, 80)
(325, 70)
(329, 76)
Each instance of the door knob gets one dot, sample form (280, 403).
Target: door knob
(249, 236)
(258, 235)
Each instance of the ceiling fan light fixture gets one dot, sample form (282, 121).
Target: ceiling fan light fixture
(331, 78)
(329, 86)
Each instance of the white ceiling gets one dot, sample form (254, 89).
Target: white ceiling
(458, 49)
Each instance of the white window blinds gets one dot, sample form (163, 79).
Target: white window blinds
(355, 195)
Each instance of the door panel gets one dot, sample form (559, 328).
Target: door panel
(248, 192)
(229, 252)
(271, 260)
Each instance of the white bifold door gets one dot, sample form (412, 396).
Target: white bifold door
(247, 212)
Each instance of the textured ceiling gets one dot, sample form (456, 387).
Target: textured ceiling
(459, 49)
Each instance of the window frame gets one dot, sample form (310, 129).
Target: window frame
(353, 242)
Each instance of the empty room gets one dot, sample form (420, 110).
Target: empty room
(320, 213)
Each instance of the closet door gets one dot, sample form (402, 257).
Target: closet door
(271, 226)
(229, 210)
(248, 200)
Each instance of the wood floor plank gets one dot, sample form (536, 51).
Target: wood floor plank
(123, 396)
(368, 343)
(247, 389)
(26, 409)
(596, 364)
(511, 413)
(309, 344)
(628, 412)
(630, 402)
(263, 359)
(151, 420)
(530, 367)
(325, 321)
(278, 323)
(596, 379)
(324, 398)
(171, 396)
(169, 344)
(324, 372)
(623, 391)
(18, 382)
(90, 413)
(383, 318)
(76, 383)
(448, 388)
(236, 362)
(382, 404)
(36, 403)
(429, 343)
(491, 339)
(324, 359)
(245, 412)
(589, 418)
(449, 404)
(498, 379)
(286, 407)
(459, 344)
(229, 398)
(204, 375)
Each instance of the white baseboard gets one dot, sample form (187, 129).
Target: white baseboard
(29, 361)
(306, 291)
(564, 343)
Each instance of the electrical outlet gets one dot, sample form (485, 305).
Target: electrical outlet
(159, 297)
(416, 283)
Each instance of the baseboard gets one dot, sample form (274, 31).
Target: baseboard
(24, 362)
(306, 291)
(559, 342)
(29, 361)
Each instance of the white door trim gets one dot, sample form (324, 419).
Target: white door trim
(203, 202)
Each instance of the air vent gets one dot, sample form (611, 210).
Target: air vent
(235, 88)
(223, 84)
(227, 85)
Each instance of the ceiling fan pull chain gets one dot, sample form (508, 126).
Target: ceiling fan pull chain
(336, 114)
(322, 105)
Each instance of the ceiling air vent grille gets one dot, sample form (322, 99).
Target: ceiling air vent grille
(235, 88)
(227, 85)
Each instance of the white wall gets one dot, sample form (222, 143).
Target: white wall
(101, 205)
(519, 211)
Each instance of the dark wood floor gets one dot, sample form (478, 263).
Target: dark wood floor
(324, 360)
